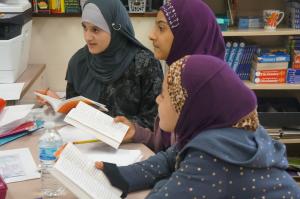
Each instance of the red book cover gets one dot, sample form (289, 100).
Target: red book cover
(268, 73)
(19, 129)
(269, 79)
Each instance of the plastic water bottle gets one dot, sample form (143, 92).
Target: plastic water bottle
(49, 142)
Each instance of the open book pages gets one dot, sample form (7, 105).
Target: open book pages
(97, 123)
(80, 176)
(64, 106)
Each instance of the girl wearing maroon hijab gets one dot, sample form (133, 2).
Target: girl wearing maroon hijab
(182, 27)
(221, 150)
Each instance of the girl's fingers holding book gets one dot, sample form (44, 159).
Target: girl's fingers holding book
(131, 130)
(99, 165)
(121, 119)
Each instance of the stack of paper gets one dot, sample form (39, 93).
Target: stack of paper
(13, 116)
(11, 91)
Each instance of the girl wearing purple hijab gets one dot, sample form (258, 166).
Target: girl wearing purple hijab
(182, 27)
(221, 150)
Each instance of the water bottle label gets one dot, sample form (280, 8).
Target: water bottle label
(47, 153)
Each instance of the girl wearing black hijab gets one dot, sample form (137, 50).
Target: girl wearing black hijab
(114, 68)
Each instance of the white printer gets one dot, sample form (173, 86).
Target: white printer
(15, 36)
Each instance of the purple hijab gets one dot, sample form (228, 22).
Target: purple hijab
(217, 98)
(195, 29)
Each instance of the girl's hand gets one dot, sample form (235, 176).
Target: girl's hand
(99, 165)
(45, 92)
(131, 131)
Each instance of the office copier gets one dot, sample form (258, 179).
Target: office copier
(15, 36)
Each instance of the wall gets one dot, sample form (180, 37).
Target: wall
(55, 39)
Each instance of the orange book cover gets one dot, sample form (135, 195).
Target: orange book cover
(64, 106)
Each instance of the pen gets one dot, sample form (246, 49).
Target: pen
(85, 141)
(59, 151)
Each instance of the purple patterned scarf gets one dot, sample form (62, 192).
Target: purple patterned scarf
(195, 29)
(215, 97)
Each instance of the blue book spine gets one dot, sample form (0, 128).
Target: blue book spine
(238, 57)
(293, 71)
(233, 53)
(243, 61)
(249, 62)
(227, 51)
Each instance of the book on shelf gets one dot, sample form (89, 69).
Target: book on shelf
(78, 173)
(269, 73)
(270, 66)
(64, 106)
(267, 80)
(97, 123)
(272, 57)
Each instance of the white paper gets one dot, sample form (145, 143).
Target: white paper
(17, 165)
(102, 152)
(99, 151)
(82, 172)
(12, 116)
(11, 91)
(71, 134)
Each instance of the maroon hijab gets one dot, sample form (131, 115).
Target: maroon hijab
(195, 29)
(216, 97)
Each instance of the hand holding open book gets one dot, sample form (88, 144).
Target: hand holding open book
(64, 106)
(80, 176)
(97, 123)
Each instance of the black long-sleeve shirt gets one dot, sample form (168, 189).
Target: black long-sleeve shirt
(133, 94)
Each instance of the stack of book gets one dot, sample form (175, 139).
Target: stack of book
(293, 76)
(293, 73)
(72, 6)
(56, 6)
(293, 13)
(294, 49)
(270, 67)
(239, 56)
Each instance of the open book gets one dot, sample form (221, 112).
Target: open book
(64, 106)
(97, 123)
(80, 176)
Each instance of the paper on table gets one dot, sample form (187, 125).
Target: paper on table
(17, 165)
(71, 134)
(11, 91)
(99, 151)
(12, 116)
(103, 152)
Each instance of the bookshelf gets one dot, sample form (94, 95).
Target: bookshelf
(146, 14)
(235, 32)
(272, 86)
(264, 38)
